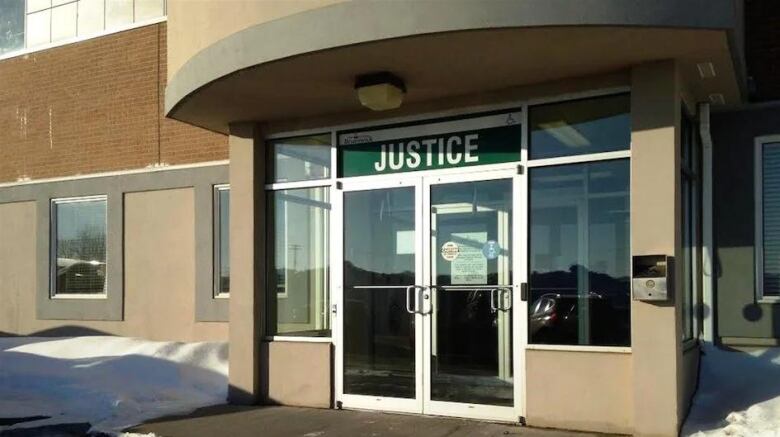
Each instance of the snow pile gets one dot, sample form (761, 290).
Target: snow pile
(110, 382)
(739, 394)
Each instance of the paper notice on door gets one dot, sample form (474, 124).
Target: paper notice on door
(471, 266)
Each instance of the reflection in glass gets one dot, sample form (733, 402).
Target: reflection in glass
(222, 240)
(379, 250)
(80, 246)
(471, 344)
(579, 254)
(300, 158)
(579, 127)
(11, 25)
(690, 197)
(299, 269)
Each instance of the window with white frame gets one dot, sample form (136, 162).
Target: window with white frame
(579, 223)
(690, 198)
(299, 210)
(78, 246)
(34, 23)
(767, 185)
(221, 240)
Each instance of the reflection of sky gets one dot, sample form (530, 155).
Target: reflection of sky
(75, 218)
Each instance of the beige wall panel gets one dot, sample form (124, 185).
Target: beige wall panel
(159, 273)
(655, 178)
(214, 21)
(160, 268)
(17, 265)
(588, 391)
(297, 373)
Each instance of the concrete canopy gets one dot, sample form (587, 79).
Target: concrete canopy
(304, 65)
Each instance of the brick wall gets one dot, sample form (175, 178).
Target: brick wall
(94, 106)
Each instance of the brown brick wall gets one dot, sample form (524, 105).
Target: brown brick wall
(94, 106)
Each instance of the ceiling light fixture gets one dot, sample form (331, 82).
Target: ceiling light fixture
(565, 133)
(380, 91)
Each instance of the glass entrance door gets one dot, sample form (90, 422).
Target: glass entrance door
(428, 296)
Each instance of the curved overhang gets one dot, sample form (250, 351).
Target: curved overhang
(255, 72)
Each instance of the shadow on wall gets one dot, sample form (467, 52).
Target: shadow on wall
(732, 381)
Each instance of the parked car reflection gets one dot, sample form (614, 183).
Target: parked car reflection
(591, 318)
(76, 276)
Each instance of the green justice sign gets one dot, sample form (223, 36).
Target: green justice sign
(360, 154)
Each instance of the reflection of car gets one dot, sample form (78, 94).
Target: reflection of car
(79, 276)
(554, 319)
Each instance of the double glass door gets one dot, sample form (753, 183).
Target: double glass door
(427, 296)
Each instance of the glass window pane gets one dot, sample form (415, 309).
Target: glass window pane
(771, 225)
(579, 254)
(39, 28)
(11, 25)
(222, 245)
(37, 5)
(63, 21)
(80, 247)
(91, 17)
(118, 13)
(300, 159)
(299, 269)
(579, 127)
(148, 9)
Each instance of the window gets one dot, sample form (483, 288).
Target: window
(32, 23)
(11, 25)
(579, 254)
(580, 127)
(299, 240)
(690, 198)
(300, 159)
(767, 175)
(221, 240)
(78, 245)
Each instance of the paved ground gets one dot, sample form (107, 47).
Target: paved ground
(235, 421)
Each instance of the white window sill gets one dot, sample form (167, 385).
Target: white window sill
(294, 339)
(80, 296)
(574, 348)
(769, 299)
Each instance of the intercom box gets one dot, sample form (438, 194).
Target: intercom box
(652, 277)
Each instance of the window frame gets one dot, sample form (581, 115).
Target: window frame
(524, 162)
(26, 49)
(53, 245)
(217, 189)
(758, 192)
(328, 183)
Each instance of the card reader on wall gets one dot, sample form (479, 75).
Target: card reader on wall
(652, 277)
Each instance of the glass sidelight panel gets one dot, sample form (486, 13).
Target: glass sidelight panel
(471, 272)
(579, 255)
(379, 265)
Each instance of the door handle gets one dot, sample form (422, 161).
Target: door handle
(493, 293)
(410, 310)
(510, 300)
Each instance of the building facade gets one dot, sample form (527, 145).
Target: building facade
(522, 211)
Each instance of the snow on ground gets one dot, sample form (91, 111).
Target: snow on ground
(738, 395)
(110, 382)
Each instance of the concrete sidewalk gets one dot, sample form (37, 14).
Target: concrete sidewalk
(233, 421)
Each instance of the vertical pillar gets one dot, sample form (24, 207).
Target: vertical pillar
(655, 229)
(247, 260)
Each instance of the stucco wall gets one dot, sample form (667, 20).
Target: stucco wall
(193, 26)
(159, 273)
(579, 390)
(297, 373)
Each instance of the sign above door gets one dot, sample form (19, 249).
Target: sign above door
(465, 142)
